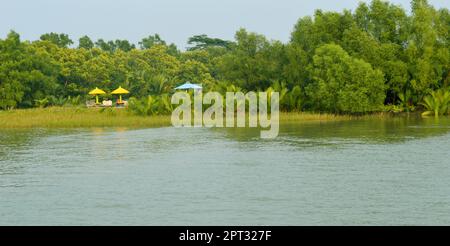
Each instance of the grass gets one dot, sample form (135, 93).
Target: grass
(73, 117)
(309, 117)
(68, 117)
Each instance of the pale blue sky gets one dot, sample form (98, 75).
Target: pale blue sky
(174, 20)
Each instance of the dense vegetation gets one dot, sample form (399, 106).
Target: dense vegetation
(375, 58)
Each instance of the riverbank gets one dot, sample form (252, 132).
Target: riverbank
(73, 117)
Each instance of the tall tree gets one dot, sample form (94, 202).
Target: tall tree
(112, 46)
(343, 84)
(148, 42)
(422, 51)
(203, 41)
(11, 88)
(27, 72)
(62, 40)
(124, 45)
(86, 43)
(252, 63)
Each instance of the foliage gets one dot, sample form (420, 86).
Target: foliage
(393, 108)
(152, 40)
(293, 100)
(62, 40)
(437, 103)
(151, 105)
(85, 42)
(406, 101)
(378, 57)
(342, 84)
(204, 42)
(253, 63)
(27, 73)
(113, 45)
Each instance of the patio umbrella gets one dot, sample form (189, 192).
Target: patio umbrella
(96, 92)
(119, 91)
(187, 86)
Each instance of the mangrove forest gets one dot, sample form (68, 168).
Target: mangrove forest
(378, 57)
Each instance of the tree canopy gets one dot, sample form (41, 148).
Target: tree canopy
(343, 62)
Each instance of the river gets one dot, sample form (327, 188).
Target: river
(393, 171)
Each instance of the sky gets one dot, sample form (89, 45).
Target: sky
(174, 20)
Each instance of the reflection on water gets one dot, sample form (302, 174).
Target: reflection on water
(370, 130)
(370, 172)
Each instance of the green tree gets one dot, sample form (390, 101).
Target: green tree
(86, 43)
(109, 46)
(203, 42)
(343, 84)
(423, 52)
(112, 46)
(383, 56)
(62, 40)
(326, 27)
(124, 45)
(384, 21)
(148, 42)
(196, 72)
(340, 62)
(11, 90)
(27, 73)
(253, 63)
(152, 40)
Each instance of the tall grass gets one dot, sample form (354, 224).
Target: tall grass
(77, 117)
(72, 117)
(309, 117)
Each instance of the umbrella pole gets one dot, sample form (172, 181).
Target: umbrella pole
(96, 99)
(120, 98)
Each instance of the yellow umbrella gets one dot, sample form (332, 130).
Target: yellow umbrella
(119, 91)
(96, 92)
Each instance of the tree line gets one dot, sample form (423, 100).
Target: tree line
(375, 58)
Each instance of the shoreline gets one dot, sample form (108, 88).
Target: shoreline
(77, 117)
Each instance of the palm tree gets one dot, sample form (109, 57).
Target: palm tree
(160, 84)
(41, 103)
(437, 103)
(406, 100)
(165, 104)
(276, 87)
(294, 99)
(146, 106)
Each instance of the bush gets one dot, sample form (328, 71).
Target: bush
(437, 103)
(343, 84)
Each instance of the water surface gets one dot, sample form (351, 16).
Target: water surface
(363, 172)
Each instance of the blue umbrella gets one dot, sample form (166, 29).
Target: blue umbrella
(187, 86)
